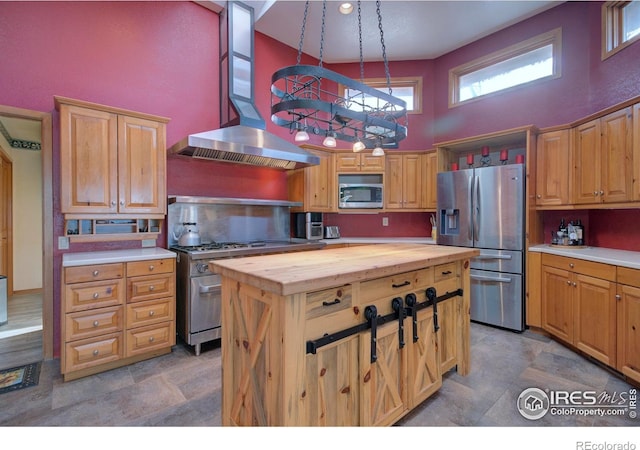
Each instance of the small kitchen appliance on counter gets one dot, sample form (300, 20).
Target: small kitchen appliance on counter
(308, 225)
(331, 232)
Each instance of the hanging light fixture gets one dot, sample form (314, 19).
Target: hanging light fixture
(301, 103)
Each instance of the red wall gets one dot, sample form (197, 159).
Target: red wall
(162, 58)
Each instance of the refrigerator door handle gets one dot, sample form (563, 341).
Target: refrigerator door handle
(485, 278)
(476, 202)
(471, 213)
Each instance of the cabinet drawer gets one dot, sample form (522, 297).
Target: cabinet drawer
(628, 276)
(92, 323)
(594, 269)
(153, 337)
(92, 352)
(446, 271)
(329, 311)
(150, 287)
(396, 285)
(138, 268)
(97, 294)
(150, 312)
(96, 272)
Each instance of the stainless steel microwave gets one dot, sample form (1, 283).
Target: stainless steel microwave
(361, 195)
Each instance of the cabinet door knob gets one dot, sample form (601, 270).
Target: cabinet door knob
(152, 287)
(595, 193)
(113, 203)
(96, 323)
(601, 192)
(573, 284)
(151, 339)
(538, 196)
(151, 267)
(96, 295)
(569, 282)
(618, 297)
(571, 265)
(151, 313)
(95, 353)
(95, 273)
(121, 202)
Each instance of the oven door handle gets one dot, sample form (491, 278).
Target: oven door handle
(204, 289)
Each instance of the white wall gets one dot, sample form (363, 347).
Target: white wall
(27, 219)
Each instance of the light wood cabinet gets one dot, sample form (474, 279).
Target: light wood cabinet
(350, 162)
(602, 169)
(430, 180)
(403, 181)
(636, 152)
(315, 186)
(552, 165)
(628, 322)
(111, 162)
(116, 314)
(315, 350)
(579, 305)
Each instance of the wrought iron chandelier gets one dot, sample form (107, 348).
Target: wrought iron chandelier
(300, 102)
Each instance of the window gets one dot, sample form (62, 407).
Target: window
(534, 59)
(620, 26)
(408, 89)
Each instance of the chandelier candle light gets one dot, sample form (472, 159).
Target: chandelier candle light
(300, 102)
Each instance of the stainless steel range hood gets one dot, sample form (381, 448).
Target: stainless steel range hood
(242, 137)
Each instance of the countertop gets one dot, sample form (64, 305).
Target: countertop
(291, 273)
(112, 256)
(624, 258)
(380, 240)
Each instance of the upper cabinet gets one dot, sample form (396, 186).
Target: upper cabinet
(430, 180)
(111, 161)
(403, 181)
(359, 162)
(552, 177)
(602, 159)
(314, 186)
(636, 152)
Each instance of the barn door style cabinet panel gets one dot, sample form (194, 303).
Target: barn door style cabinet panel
(112, 168)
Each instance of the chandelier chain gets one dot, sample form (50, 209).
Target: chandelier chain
(384, 50)
(360, 42)
(304, 24)
(324, 13)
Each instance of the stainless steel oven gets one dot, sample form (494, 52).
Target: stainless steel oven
(198, 296)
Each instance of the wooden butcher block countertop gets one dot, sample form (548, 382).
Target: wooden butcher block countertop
(292, 273)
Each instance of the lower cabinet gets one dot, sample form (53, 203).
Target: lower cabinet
(595, 308)
(116, 314)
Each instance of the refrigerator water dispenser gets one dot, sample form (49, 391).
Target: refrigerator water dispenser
(449, 221)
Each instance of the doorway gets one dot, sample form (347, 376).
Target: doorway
(25, 300)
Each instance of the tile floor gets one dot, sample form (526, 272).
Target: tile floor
(180, 389)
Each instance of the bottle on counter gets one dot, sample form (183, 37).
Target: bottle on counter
(571, 232)
(580, 232)
(563, 236)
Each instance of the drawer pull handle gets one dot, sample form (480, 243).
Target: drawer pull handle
(96, 323)
(95, 353)
(335, 302)
(151, 313)
(406, 283)
(151, 339)
(96, 295)
(151, 267)
(152, 287)
(95, 273)
(447, 272)
(571, 265)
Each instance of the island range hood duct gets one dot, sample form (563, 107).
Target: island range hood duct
(242, 137)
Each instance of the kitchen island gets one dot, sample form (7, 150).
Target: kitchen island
(355, 336)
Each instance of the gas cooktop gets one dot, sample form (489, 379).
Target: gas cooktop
(224, 249)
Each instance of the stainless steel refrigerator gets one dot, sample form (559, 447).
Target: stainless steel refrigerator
(484, 208)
